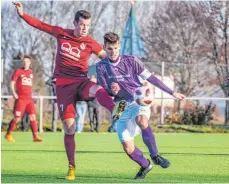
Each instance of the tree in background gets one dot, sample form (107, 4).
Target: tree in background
(215, 46)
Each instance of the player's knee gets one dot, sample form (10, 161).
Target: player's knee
(69, 127)
(128, 148)
(93, 90)
(32, 117)
(142, 121)
(17, 119)
(98, 88)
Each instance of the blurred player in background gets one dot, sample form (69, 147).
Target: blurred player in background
(74, 47)
(119, 75)
(21, 87)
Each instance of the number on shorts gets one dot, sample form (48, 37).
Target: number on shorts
(62, 107)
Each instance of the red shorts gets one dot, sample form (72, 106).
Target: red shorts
(68, 95)
(24, 105)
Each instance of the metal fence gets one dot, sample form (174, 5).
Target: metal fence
(162, 111)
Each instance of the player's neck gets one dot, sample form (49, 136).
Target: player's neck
(115, 61)
(76, 34)
(25, 68)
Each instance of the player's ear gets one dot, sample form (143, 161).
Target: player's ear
(74, 23)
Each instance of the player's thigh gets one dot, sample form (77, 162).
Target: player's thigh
(126, 126)
(19, 108)
(141, 114)
(87, 90)
(31, 110)
(66, 101)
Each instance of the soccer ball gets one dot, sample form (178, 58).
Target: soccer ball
(143, 95)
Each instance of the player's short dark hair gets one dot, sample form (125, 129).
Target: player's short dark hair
(27, 56)
(111, 38)
(82, 13)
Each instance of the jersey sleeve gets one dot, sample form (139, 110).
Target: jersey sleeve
(139, 67)
(98, 50)
(52, 30)
(15, 76)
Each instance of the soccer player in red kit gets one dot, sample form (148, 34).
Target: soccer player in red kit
(21, 86)
(74, 47)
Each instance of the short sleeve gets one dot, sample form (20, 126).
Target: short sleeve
(97, 49)
(15, 76)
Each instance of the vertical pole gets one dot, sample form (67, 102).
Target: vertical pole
(41, 115)
(162, 100)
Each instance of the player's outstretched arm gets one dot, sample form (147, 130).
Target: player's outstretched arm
(19, 8)
(158, 83)
(53, 30)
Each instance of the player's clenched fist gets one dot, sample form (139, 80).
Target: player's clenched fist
(18, 5)
(115, 88)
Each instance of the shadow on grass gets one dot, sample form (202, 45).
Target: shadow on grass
(112, 152)
(90, 177)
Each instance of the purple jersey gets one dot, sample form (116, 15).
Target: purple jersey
(125, 72)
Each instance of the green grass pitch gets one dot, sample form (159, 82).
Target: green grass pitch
(195, 158)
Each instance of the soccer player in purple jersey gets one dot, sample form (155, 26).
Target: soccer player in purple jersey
(118, 74)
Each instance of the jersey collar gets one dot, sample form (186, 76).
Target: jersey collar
(114, 63)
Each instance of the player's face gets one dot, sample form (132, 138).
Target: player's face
(82, 27)
(26, 63)
(112, 50)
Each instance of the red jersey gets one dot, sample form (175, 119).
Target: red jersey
(23, 80)
(72, 52)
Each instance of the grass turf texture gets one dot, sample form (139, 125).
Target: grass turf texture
(195, 158)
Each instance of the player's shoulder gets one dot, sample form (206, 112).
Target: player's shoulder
(66, 32)
(18, 70)
(102, 62)
(90, 40)
(30, 71)
(128, 58)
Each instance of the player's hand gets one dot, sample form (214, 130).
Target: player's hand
(179, 96)
(115, 88)
(19, 7)
(15, 95)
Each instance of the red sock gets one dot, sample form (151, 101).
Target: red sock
(34, 128)
(105, 99)
(12, 126)
(69, 143)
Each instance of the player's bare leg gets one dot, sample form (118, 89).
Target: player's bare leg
(150, 141)
(106, 101)
(69, 126)
(11, 128)
(136, 155)
(34, 128)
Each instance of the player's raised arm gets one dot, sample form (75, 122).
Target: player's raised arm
(19, 8)
(145, 74)
(53, 30)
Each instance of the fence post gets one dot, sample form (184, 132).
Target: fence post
(162, 98)
(41, 114)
